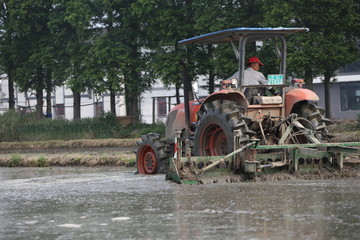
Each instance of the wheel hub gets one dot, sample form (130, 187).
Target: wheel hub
(150, 162)
(147, 161)
(214, 141)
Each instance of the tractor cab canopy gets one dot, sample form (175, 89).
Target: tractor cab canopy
(241, 36)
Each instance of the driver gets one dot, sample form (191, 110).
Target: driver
(252, 76)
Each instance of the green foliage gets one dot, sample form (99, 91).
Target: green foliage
(179, 20)
(28, 46)
(174, 21)
(76, 161)
(331, 42)
(10, 126)
(41, 162)
(17, 127)
(14, 160)
(102, 127)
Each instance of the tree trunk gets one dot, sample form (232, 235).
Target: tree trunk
(211, 82)
(39, 93)
(135, 112)
(48, 104)
(77, 102)
(112, 102)
(39, 104)
(177, 90)
(132, 107)
(11, 93)
(327, 77)
(132, 104)
(309, 79)
(48, 87)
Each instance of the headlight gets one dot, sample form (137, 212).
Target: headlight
(234, 81)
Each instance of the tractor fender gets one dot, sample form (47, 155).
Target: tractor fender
(297, 95)
(232, 95)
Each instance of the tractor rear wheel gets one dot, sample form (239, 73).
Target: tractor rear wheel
(315, 119)
(151, 155)
(214, 130)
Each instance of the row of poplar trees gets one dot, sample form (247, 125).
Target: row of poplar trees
(122, 46)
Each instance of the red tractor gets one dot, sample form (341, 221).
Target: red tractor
(208, 126)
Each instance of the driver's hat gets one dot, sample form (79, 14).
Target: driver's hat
(255, 60)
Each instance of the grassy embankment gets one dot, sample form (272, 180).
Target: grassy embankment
(25, 141)
(345, 130)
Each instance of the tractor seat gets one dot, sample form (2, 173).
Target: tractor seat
(267, 100)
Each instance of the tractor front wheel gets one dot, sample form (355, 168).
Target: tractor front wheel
(151, 157)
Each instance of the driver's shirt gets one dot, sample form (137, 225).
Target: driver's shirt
(251, 77)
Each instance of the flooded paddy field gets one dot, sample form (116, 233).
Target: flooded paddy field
(115, 203)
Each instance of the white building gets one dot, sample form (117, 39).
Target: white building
(61, 102)
(344, 95)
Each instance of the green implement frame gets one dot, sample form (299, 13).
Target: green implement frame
(257, 159)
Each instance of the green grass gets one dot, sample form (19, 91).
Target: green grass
(14, 160)
(343, 126)
(129, 162)
(17, 127)
(41, 162)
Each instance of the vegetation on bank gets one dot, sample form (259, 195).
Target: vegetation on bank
(345, 126)
(63, 160)
(345, 130)
(9, 147)
(17, 127)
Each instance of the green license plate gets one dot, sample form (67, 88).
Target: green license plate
(276, 79)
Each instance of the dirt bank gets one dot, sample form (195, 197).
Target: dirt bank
(85, 157)
(81, 152)
(345, 131)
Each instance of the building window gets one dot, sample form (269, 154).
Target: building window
(99, 109)
(60, 111)
(162, 106)
(350, 96)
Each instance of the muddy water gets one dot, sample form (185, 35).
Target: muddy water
(112, 203)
